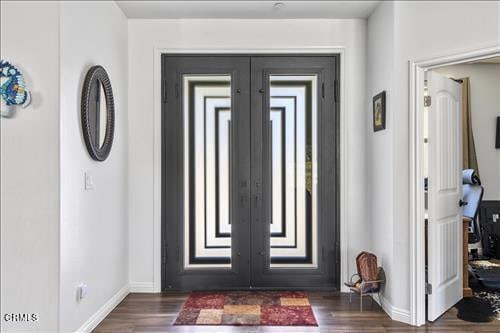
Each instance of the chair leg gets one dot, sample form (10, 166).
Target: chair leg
(361, 301)
(350, 296)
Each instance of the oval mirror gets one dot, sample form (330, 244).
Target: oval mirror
(102, 111)
(98, 113)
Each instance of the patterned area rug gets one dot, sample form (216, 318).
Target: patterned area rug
(252, 308)
(493, 298)
(488, 289)
(484, 306)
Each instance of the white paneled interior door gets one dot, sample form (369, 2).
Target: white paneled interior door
(445, 193)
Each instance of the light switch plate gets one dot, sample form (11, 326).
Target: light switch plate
(83, 290)
(89, 182)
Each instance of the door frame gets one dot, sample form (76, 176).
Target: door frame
(417, 69)
(157, 145)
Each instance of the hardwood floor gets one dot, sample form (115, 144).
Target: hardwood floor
(334, 313)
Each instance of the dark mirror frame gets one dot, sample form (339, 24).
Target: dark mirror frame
(95, 78)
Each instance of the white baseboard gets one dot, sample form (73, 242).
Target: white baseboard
(104, 310)
(394, 312)
(142, 287)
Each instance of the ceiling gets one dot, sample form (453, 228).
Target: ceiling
(240, 9)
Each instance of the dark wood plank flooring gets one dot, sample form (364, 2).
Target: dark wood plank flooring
(157, 312)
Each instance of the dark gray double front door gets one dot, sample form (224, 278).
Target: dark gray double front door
(250, 152)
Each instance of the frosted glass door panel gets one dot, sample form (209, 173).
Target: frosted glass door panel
(293, 139)
(207, 147)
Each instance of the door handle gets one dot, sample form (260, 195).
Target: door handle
(462, 203)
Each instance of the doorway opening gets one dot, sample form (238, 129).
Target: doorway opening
(429, 263)
(250, 172)
(475, 86)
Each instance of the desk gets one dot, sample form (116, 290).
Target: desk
(467, 290)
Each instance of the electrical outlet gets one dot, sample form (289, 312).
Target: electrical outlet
(83, 290)
(495, 217)
(89, 182)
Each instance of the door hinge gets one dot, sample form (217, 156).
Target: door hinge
(427, 101)
(164, 91)
(428, 289)
(323, 90)
(164, 254)
(337, 250)
(177, 91)
(323, 254)
(177, 253)
(336, 88)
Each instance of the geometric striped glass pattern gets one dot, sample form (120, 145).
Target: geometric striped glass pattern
(207, 148)
(294, 171)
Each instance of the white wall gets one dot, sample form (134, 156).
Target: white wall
(30, 169)
(94, 223)
(421, 30)
(485, 108)
(146, 35)
(426, 30)
(379, 145)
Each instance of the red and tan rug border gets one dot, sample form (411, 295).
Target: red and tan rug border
(247, 308)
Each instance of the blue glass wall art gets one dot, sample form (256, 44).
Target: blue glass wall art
(13, 90)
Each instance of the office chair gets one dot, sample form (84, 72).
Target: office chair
(473, 194)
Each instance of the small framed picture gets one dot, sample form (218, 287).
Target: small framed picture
(379, 112)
